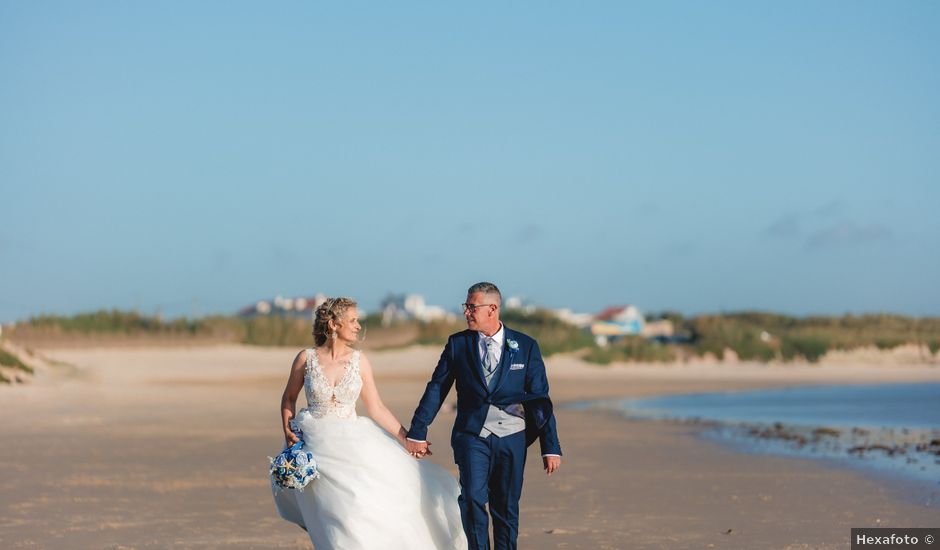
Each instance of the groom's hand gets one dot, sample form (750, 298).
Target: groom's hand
(417, 449)
(551, 463)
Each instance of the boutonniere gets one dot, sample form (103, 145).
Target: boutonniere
(513, 345)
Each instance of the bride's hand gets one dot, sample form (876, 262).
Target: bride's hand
(418, 449)
(290, 437)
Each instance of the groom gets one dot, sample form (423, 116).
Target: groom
(502, 407)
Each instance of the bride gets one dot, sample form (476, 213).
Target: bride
(371, 493)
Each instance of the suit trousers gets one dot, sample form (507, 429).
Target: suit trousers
(491, 470)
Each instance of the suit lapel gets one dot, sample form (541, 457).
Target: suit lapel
(476, 364)
(505, 360)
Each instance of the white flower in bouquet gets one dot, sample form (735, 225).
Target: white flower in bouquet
(294, 468)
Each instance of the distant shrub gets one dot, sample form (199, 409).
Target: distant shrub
(809, 347)
(934, 346)
(714, 334)
(751, 348)
(278, 331)
(631, 349)
(435, 333)
(888, 343)
(7, 359)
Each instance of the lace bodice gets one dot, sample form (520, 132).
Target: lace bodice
(326, 400)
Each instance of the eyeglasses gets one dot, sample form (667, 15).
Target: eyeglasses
(473, 307)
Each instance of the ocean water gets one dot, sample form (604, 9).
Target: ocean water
(913, 406)
(891, 429)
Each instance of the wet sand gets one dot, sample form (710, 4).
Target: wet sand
(166, 448)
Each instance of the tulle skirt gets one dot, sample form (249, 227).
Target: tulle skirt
(371, 494)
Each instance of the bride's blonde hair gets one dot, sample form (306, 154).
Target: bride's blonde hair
(331, 310)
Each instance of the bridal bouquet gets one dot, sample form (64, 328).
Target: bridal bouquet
(294, 468)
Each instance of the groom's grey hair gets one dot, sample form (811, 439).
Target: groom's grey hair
(486, 288)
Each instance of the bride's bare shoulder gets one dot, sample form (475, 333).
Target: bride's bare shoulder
(364, 360)
(300, 359)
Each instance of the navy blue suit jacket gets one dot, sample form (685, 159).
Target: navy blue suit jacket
(519, 379)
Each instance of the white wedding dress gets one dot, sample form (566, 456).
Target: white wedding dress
(371, 494)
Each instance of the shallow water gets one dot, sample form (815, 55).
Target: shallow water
(910, 406)
(890, 428)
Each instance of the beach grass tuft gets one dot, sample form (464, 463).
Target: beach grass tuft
(7, 359)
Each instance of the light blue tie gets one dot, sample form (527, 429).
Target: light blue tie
(490, 362)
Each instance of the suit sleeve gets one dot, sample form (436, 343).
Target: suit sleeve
(537, 384)
(434, 394)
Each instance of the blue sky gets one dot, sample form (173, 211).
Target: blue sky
(191, 158)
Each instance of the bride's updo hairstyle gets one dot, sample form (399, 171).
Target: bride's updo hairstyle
(331, 310)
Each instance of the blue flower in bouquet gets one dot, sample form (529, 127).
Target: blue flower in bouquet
(293, 468)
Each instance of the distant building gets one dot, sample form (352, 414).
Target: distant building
(580, 320)
(294, 307)
(519, 304)
(615, 322)
(627, 319)
(663, 329)
(404, 307)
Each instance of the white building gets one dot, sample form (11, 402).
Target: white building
(403, 307)
(581, 320)
(298, 307)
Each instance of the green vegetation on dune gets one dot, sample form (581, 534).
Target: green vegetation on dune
(114, 321)
(933, 345)
(631, 348)
(435, 333)
(767, 336)
(7, 359)
(808, 347)
(752, 336)
(129, 324)
(276, 331)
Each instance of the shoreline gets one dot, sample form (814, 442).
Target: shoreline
(904, 455)
(146, 431)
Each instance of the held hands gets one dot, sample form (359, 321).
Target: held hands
(551, 463)
(418, 449)
(414, 448)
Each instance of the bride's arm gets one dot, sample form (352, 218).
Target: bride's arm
(377, 410)
(295, 382)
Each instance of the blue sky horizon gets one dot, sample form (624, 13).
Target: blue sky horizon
(192, 159)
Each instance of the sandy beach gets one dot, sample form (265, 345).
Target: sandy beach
(166, 448)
